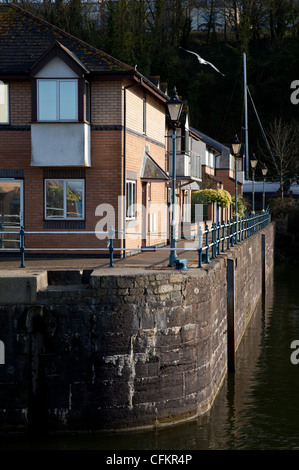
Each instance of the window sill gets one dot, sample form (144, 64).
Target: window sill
(64, 224)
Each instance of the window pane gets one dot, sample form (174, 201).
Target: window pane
(47, 100)
(10, 213)
(131, 199)
(74, 198)
(128, 200)
(3, 102)
(54, 199)
(68, 100)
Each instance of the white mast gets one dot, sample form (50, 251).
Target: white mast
(246, 118)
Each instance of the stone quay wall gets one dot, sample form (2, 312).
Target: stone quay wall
(124, 348)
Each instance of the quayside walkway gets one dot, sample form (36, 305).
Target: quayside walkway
(147, 260)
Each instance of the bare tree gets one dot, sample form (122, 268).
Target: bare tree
(283, 139)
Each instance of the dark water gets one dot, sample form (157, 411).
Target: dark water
(257, 407)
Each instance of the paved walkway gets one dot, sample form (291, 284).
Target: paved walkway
(146, 260)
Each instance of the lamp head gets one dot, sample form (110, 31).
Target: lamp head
(264, 170)
(253, 162)
(236, 146)
(175, 106)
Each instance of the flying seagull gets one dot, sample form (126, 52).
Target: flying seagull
(202, 61)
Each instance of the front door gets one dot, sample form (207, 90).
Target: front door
(144, 214)
(11, 213)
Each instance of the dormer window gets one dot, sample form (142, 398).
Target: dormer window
(60, 88)
(60, 129)
(57, 100)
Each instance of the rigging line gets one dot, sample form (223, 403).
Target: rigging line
(262, 130)
(228, 105)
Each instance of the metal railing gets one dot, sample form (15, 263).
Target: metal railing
(209, 243)
(222, 237)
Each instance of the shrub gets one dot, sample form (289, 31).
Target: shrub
(220, 196)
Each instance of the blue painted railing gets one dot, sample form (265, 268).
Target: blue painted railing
(223, 236)
(218, 238)
(211, 242)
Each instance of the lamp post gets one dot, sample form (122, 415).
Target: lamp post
(236, 146)
(264, 171)
(253, 162)
(174, 106)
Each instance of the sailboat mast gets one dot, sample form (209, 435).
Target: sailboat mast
(246, 118)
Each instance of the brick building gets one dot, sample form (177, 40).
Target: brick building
(83, 143)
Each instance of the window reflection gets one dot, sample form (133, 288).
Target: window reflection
(64, 199)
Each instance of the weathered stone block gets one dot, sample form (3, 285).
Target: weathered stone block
(21, 287)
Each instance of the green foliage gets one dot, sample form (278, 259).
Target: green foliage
(242, 205)
(220, 196)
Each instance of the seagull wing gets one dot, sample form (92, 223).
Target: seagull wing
(190, 52)
(209, 63)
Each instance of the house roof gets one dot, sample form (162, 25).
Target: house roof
(24, 38)
(222, 149)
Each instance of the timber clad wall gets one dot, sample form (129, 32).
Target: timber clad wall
(144, 349)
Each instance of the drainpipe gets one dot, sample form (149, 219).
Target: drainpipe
(125, 163)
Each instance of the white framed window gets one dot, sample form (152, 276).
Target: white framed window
(57, 100)
(4, 103)
(64, 199)
(131, 200)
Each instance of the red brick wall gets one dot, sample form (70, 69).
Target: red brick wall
(20, 102)
(104, 179)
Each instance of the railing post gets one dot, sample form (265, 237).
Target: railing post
(232, 241)
(223, 235)
(200, 233)
(111, 234)
(207, 245)
(22, 246)
(237, 229)
(228, 235)
(218, 239)
(213, 241)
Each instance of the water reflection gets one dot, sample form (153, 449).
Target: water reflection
(257, 407)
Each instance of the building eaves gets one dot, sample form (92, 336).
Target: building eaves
(222, 149)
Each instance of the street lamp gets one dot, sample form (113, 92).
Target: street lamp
(236, 146)
(264, 171)
(253, 162)
(174, 106)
